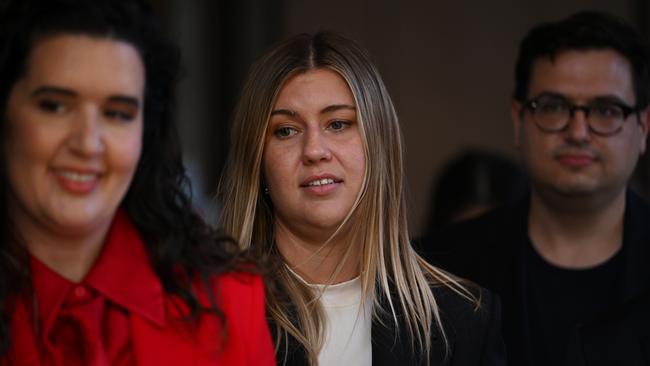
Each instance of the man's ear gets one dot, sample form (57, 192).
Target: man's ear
(515, 115)
(644, 117)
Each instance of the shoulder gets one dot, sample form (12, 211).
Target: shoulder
(237, 281)
(479, 248)
(238, 291)
(470, 234)
(462, 311)
(631, 316)
(638, 209)
(240, 297)
(472, 326)
(477, 230)
(614, 337)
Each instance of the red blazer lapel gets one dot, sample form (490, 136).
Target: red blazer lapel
(176, 342)
(153, 345)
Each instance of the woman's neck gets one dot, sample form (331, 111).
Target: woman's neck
(71, 255)
(319, 260)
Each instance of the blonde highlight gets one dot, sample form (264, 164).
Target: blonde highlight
(393, 277)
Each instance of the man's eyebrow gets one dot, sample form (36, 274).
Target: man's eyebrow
(550, 94)
(47, 89)
(125, 99)
(608, 98)
(336, 107)
(598, 98)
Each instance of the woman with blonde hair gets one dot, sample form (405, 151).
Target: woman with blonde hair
(315, 185)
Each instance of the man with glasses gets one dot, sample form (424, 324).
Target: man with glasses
(571, 261)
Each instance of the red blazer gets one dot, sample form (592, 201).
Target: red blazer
(167, 339)
(248, 340)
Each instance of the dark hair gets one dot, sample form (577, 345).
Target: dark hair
(474, 178)
(180, 245)
(587, 30)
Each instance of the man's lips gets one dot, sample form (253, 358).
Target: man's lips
(576, 160)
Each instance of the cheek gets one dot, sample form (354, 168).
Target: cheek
(126, 150)
(536, 154)
(359, 161)
(28, 144)
(622, 154)
(539, 146)
(356, 158)
(275, 169)
(275, 176)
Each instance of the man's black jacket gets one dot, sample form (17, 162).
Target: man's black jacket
(490, 251)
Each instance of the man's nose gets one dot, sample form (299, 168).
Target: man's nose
(578, 125)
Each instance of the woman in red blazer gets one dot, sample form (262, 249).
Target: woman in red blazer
(102, 258)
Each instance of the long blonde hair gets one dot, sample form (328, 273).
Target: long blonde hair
(393, 277)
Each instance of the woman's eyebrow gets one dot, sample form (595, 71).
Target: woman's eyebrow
(336, 107)
(328, 109)
(126, 99)
(48, 89)
(284, 112)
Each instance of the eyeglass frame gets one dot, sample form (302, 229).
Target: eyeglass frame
(627, 110)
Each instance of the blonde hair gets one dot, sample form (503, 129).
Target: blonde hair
(391, 272)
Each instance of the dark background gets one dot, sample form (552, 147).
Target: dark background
(447, 64)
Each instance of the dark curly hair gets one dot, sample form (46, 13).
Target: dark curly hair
(586, 30)
(181, 246)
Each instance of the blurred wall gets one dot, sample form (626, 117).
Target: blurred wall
(219, 40)
(447, 64)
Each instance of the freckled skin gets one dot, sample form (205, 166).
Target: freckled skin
(313, 141)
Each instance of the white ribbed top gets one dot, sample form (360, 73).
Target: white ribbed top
(347, 325)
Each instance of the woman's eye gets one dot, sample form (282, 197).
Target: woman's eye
(285, 132)
(119, 115)
(51, 106)
(338, 125)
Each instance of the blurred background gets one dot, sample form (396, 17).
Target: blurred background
(448, 65)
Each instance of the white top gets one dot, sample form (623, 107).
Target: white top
(347, 325)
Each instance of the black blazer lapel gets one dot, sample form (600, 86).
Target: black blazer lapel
(290, 352)
(391, 345)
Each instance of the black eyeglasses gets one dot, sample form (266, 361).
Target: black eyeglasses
(552, 113)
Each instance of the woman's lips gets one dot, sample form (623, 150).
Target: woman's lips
(321, 184)
(77, 181)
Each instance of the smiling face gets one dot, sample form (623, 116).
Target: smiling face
(576, 161)
(73, 133)
(313, 157)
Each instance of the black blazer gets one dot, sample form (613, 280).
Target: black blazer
(473, 335)
(489, 250)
